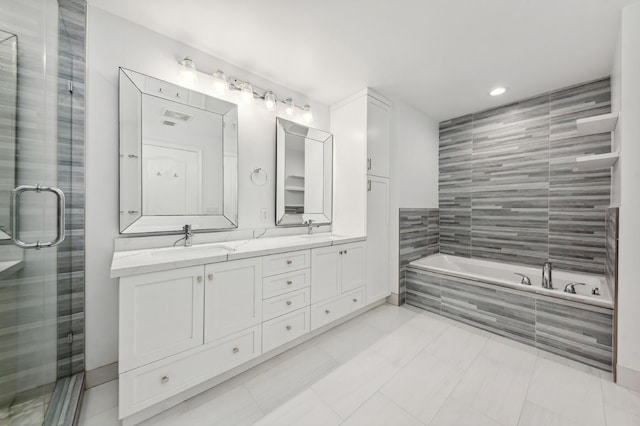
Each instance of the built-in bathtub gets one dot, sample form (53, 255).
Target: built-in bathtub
(490, 295)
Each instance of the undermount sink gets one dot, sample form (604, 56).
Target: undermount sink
(182, 252)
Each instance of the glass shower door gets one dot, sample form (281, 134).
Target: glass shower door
(31, 209)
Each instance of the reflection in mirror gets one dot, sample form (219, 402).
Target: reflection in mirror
(178, 157)
(304, 174)
(8, 108)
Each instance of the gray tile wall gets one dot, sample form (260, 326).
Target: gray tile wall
(611, 249)
(419, 237)
(576, 331)
(508, 187)
(71, 67)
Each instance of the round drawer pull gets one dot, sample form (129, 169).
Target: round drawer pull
(289, 328)
(164, 379)
(289, 262)
(236, 350)
(210, 277)
(355, 300)
(326, 311)
(199, 278)
(289, 282)
(345, 252)
(288, 302)
(340, 252)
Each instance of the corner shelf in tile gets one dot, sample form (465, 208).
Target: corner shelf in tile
(597, 124)
(597, 161)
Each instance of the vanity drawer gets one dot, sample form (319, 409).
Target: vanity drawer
(285, 303)
(325, 312)
(284, 262)
(281, 330)
(284, 283)
(145, 386)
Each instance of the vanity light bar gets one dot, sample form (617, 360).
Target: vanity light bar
(222, 83)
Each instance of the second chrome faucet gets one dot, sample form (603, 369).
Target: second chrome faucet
(546, 275)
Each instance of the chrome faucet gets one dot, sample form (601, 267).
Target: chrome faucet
(311, 226)
(546, 275)
(188, 235)
(571, 287)
(525, 279)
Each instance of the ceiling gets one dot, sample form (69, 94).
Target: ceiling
(440, 56)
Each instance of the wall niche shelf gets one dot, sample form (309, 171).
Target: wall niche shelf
(596, 161)
(597, 124)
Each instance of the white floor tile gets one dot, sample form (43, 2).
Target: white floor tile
(388, 317)
(304, 409)
(381, 411)
(457, 413)
(403, 344)
(350, 342)
(534, 415)
(99, 399)
(496, 382)
(351, 384)
(457, 346)
(422, 386)
(573, 394)
(106, 418)
(621, 397)
(618, 417)
(289, 377)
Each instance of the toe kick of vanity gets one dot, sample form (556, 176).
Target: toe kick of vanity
(185, 326)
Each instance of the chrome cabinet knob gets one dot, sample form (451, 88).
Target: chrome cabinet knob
(340, 252)
(210, 277)
(355, 300)
(236, 350)
(288, 302)
(289, 328)
(289, 262)
(199, 278)
(345, 252)
(289, 282)
(164, 379)
(326, 311)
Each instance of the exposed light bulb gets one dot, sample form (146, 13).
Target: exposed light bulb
(188, 72)
(497, 91)
(246, 92)
(307, 115)
(290, 107)
(270, 100)
(220, 84)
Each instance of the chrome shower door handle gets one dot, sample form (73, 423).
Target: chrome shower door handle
(15, 216)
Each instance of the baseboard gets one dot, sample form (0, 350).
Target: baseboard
(628, 377)
(393, 299)
(101, 375)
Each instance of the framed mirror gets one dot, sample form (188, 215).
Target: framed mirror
(178, 157)
(8, 108)
(304, 174)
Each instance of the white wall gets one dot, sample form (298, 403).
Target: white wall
(111, 43)
(629, 244)
(413, 168)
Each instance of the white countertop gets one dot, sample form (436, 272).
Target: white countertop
(133, 262)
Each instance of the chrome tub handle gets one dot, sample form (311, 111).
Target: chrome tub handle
(15, 216)
(525, 279)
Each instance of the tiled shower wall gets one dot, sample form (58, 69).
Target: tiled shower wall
(71, 108)
(509, 189)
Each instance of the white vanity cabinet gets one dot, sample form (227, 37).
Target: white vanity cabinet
(377, 276)
(161, 314)
(232, 297)
(336, 269)
(378, 124)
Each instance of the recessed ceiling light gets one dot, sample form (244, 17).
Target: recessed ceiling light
(497, 91)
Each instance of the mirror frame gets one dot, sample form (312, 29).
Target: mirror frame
(135, 221)
(11, 116)
(284, 127)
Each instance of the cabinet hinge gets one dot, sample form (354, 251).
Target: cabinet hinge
(70, 337)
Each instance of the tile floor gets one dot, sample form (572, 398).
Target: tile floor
(400, 366)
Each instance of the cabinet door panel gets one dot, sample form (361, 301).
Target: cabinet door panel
(377, 138)
(161, 314)
(352, 265)
(377, 275)
(325, 280)
(233, 297)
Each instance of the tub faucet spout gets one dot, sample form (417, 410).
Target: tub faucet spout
(546, 275)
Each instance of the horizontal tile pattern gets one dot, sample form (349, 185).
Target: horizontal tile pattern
(509, 189)
(576, 331)
(611, 248)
